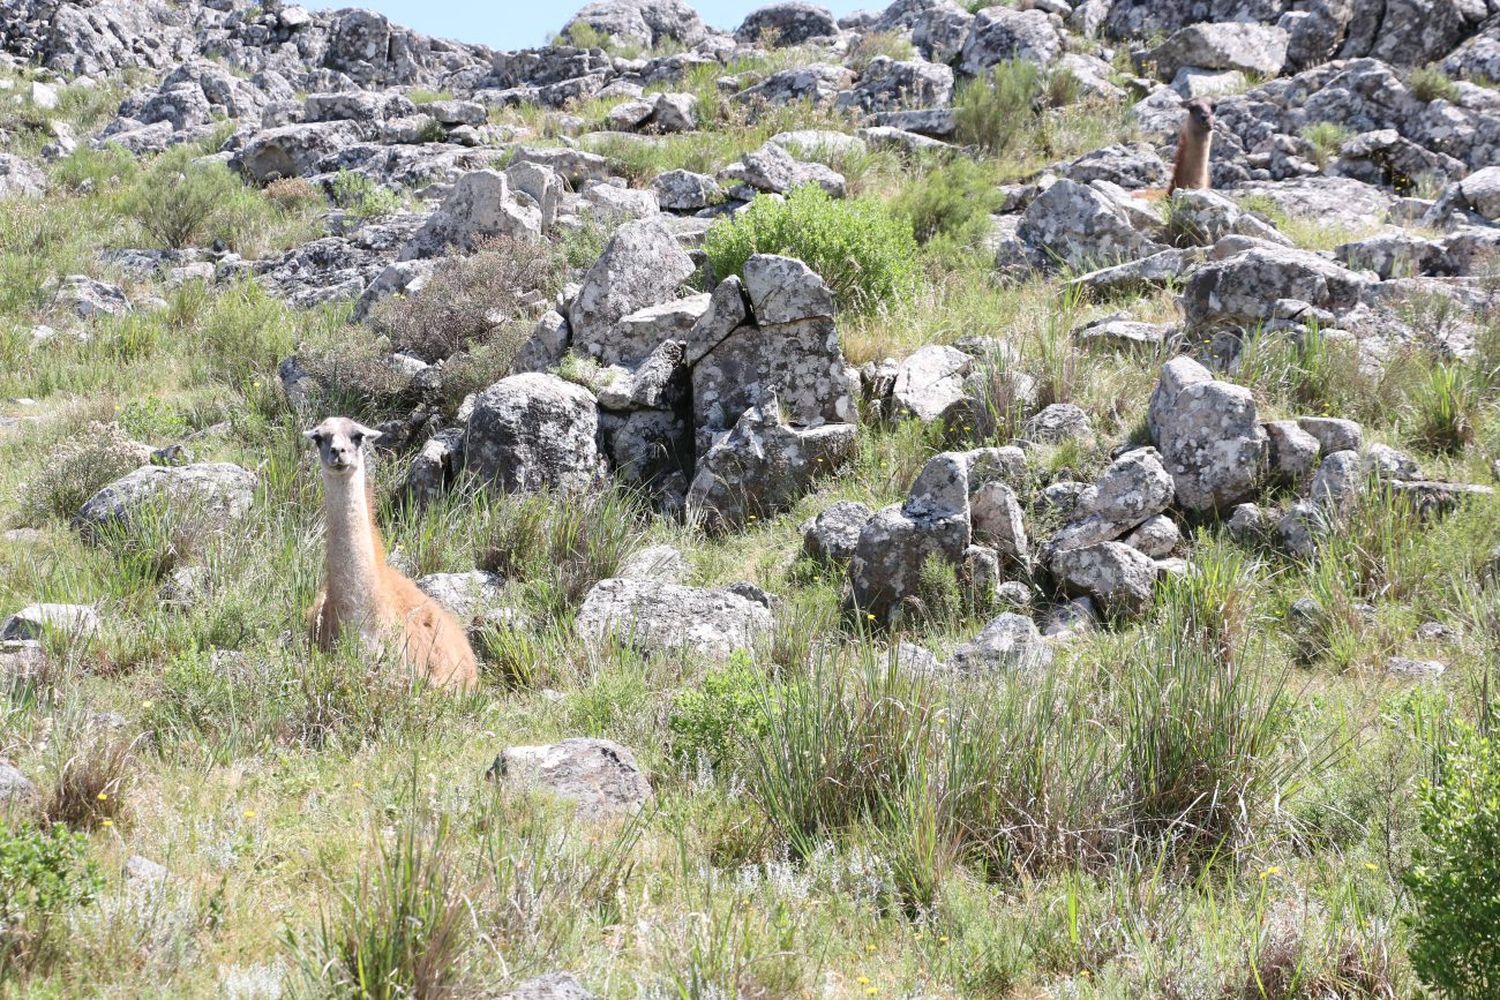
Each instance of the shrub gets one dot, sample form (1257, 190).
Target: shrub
(952, 202)
(293, 194)
(86, 791)
(180, 205)
(718, 720)
(1430, 83)
(43, 874)
(473, 300)
(867, 255)
(1455, 882)
(1326, 138)
(78, 468)
(993, 110)
(361, 197)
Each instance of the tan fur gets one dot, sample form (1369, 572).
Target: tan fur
(1194, 143)
(366, 596)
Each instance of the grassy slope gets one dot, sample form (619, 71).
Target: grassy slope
(277, 787)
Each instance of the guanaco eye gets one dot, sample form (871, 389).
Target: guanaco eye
(358, 439)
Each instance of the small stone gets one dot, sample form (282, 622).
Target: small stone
(601, 776)
(1418, 670)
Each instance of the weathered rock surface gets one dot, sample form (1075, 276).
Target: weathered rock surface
(601, 776)
(209, 497)
(662, 617)
(532, 432)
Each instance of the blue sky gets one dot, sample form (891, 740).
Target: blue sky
(515, 24)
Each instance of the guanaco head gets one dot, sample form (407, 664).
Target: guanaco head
(340, 444)
(1200, 115)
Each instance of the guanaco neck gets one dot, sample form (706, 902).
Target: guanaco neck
(355, 557)
(1191, 169)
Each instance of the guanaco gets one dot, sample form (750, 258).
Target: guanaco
(363, 595)
(1194, 140)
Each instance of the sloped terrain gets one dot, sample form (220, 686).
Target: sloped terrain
(909, 552)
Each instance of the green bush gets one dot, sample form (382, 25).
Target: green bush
(1429, 83)
(43, 873)
(181, 204)
(993, 111)
(361, 197)
(717, 720)
(1326, 139)
(79, 467)
(1455, 882)
(952, 202)
(867, 255)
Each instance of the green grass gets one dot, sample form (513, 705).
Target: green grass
(1215, 799)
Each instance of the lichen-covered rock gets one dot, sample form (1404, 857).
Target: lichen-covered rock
(1208, 435)
(1293, 453)
(1000, 34)
(1333, 433)
(1339, 481)
(466, 595)
(1009, 642)
(787, 23)
(1131, 165)
(641, 266)
(556, 985)
(685, 191)
(661, 563)
(600, 776)
(1057, 423)
(659, 617)
(208, 496)
(295, 150)
(931, 384)
(532, 432)
(34, 621)
(774, 170)
(1079, 226)
(1252, 48)
(1135, 488)
(1157, 537)
(834, 533)
(20, 178)
(1243, 288)
(1117, 577)
(763, 466)
(15, 787)
(642, 22)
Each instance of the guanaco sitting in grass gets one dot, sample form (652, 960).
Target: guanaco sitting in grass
(364, 596)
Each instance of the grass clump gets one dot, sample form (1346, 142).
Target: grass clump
(485, 298)
(1456, 879)
(996, 110)
(867, 255)
(401, 931)
(361, 197)
(80, 466)
(1430, 83)
(950, 204)
(1326, 138)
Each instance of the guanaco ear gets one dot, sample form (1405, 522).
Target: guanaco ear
(368, 433)
(312, 435)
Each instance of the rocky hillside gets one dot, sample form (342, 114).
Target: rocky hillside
(910, 552)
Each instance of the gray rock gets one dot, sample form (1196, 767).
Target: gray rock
(19, 178)
(601, 776)
(642, 333)
(1135, 488)
(661, 617)
(34, 621)
(1117, 577)
(996, 518)
(685, 191)
(1242, 289)
(648, 23)
(763, 466)
(1293, 453)
(1252, 48)
(1079, 226)
(481, 204)
(772, 169)
(556, 985)
(1301, 528)
(1071, 618)
(833, 534)
(1339, 481)
(466, 595)
(1208, 435)
(1159, 270)
(1333, 433)
(888, 84)
(659, 563)
(1008, 642)
(208, 496)
(931, 384)
(1417, 670)
(574, 165)
(787, 23)
(818, 84)
(727, 311)
(1384, 462)
(1057, 423)
(87, 298)
(641, 266)
(999, 34)
(1157, 537)
(785, 290)
(295, 150)
(1246, 522)
(1118, 334)
(142, 875)
(534, 431)
(14, 786)
(1130, 165)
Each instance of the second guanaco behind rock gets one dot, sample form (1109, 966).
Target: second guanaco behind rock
(1194, 143)
(363, 596)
